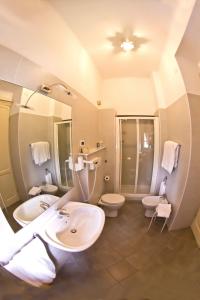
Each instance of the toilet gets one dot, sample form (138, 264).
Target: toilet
(150, 202)
(111, 203)
(49, 189)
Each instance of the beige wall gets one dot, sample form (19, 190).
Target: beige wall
(191, 200)
(107, 132)
(179, 130)
(129, 96)
(179, 122)
(187, 57)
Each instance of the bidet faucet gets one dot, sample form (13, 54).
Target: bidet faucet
(44, 205)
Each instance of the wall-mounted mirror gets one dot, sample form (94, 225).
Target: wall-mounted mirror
(35, 144)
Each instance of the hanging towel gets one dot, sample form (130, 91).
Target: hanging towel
(32, 264)
(40, 152)
(170, 156)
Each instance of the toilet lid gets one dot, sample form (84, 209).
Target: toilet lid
(151, 200)
(112, 198)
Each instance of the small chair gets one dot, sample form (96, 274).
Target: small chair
(162, 211)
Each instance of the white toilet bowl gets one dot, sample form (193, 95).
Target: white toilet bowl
(111, 203)
(49, 189)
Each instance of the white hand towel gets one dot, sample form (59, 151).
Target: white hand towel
(40, 152)
(163, 210)
(32, 264)
(170, 156)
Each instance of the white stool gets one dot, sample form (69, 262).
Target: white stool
(162, 211)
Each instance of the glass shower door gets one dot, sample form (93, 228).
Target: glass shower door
(62, 153)
(128, 155)
(136, 155)
(145, 155)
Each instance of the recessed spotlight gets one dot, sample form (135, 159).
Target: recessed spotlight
(127, 45)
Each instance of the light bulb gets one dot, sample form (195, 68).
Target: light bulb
(127, 45)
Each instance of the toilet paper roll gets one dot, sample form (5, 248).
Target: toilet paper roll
(106, 178)
(48, 178)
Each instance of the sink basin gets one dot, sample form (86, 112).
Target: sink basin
(76, 227)
(32, 208)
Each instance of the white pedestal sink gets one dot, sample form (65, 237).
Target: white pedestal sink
(75, 227)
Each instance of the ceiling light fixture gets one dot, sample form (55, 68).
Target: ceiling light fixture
(127, 45)
(126, 41)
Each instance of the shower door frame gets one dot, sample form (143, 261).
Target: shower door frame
(119, 154)
(56, 152)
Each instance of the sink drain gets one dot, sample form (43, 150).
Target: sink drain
(73, 230)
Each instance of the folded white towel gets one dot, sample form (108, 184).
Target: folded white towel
(170, 156)
(40, 152)
(163, 210)
(32, 264)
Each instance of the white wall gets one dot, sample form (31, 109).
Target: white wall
(188, 53)
(168, 82)
(190, 71)
(34, 29)
(132, 96)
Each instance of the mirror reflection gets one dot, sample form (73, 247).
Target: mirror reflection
(35, 145)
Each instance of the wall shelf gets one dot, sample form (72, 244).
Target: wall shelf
(92, 151)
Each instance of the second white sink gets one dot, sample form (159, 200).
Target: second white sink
(33, 208)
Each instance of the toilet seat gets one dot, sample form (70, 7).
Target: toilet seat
(151, 200)
(112, 199)
(49, 188)
(111, 203)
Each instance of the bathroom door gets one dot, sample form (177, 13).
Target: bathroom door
(8, 189)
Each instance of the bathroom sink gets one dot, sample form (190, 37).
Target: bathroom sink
(32, 208)
(75, 227)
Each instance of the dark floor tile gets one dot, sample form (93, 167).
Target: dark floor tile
(121, 270)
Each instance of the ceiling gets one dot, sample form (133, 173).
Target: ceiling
(95, 23)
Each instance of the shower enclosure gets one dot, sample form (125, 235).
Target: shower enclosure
(137, 155)
(62, 151)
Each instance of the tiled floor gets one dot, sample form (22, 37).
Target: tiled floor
(126, 263)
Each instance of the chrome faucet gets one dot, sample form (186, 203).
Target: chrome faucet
(44, 205)
(62, 212)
